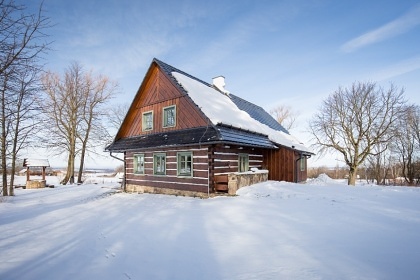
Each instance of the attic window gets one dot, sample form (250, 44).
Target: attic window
(147, 121)
(169, 116)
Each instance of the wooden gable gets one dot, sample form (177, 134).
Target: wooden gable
(155, 93)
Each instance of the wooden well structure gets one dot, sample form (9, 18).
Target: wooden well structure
(35, 163)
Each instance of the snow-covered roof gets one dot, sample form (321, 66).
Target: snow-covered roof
(220, 109)
(28, 162)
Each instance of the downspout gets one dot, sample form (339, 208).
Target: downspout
(117, 158)
(301, 156)
(296, 167)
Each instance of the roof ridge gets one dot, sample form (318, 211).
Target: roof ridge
(169, 69)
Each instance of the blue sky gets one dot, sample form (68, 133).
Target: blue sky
(271, 52)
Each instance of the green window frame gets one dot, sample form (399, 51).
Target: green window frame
(169, 116)
(138, 164)
(159, 164)
(147, 120)
(243, 162)
(184, 164)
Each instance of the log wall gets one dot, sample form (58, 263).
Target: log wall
(225, 158)
(197, 183)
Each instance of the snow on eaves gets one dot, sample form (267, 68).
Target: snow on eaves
(219, 108)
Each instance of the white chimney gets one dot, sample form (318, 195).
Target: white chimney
(219, 83)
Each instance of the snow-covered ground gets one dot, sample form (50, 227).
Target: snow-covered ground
(274, 230)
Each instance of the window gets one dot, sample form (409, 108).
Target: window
(302, 164)
(138, 162)
(243, 162)
(147, 122)
(159, 164)
(169, 116)
(184, 164)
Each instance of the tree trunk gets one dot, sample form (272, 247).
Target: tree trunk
(352, 176)
(82, 163)
(12, 176)
(3, 144)
(4, 174)
(71, 166)
(70, 169)
(68, 174)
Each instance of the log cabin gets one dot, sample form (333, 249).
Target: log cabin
(184, 136)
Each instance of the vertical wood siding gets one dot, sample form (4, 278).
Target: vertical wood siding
(281, 164)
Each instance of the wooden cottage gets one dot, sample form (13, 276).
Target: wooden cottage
(184, 136)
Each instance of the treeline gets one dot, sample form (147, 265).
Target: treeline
(392, 174)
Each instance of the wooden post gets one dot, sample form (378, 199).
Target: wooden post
(27, 174)
(43, 172)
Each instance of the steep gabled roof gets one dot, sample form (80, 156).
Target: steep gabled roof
(230, 118)
(257, 113)
(253, 110)
(220, 108)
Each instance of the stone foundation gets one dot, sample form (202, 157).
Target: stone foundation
(155, 190)
(36, 184)
(235, 181)
(239, 180)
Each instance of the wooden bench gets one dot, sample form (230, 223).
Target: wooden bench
(221, 183)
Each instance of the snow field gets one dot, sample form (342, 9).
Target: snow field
(272, 230)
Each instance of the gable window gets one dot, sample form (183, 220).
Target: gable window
(147, 121)
(169, 116)
(184, 164)
(159, 164)
(243, 162)
(138, 162)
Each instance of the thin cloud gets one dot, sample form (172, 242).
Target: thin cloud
(389, 30)
(398, 69)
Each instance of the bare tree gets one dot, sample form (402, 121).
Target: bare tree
(406, 143)
(379, 164)
(74, 106)
(117, 115)
(284, 115)
(61, 108)
(22, 41)
(354, 120)
(24, 118)
(98, 90)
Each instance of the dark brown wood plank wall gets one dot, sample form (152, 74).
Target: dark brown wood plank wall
(280, 163)
(302, 174)
(156, 93)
